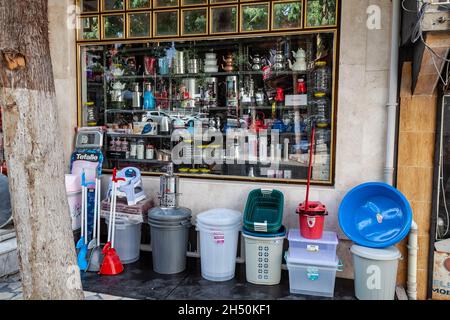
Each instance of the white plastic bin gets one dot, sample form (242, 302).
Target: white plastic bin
(375, 272)
(312, 277)
(127, 240)
(219, 234)
(321, 249)
(263, 257)
(73, 191)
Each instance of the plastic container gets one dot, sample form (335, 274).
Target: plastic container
(127, 240)
(169, 229)
(375, 215)
(73, 192)
(263, 257)
(312, 219)
(375, 272)
(322, 249)
(312, 277)
(264, 211)
(219, 235)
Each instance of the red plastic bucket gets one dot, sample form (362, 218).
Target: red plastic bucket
(312, 220)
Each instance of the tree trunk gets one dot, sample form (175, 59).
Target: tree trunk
(34, 154)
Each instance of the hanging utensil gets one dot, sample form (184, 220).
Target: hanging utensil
(111, 264)
(96, 257)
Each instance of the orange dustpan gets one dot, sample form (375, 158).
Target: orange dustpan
(111, 264)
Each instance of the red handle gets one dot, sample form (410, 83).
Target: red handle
(313, 131)
(114, 176)
(106, 247)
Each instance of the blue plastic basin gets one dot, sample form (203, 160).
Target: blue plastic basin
(375, 215)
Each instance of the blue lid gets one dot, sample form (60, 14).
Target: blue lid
(375, 215)
(279, 233)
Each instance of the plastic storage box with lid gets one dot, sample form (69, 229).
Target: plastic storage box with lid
(264, 211)
(219, 235)
(312, 277)
(263, 257)
(322, 249)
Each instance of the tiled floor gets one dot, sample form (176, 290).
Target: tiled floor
(138, 281)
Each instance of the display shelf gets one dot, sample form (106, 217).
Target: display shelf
(139, 136)
(145, 161)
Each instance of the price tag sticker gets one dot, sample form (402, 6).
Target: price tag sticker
(312, 248)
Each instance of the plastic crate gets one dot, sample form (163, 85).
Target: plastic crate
(264, 211)
(322, 249)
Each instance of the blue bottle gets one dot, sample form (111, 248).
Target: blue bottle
(149, 98)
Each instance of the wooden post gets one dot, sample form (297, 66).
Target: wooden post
(34, 154)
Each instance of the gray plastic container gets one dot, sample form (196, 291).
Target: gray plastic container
(375, 272)
(169, 229)
(127, 240)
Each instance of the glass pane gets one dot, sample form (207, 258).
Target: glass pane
(138, 4)
(224, 19)
(165, 3)
(194, 21)
(166, 23)
(193, 2)
(113, 5)
(255, 17)
(287, 15)
(320, 13)
(89, 6)
(222, 1)
(139, 25)
(89, 28)
(114, 26)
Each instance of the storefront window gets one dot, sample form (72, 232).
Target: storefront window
(255, 17)
(165, 3)
(195, 21)
(88, 28)
(139, 4)
(193, 2)
(233, 109)
(166, 23)
(113, 5)
(113, 26)
(88, 6)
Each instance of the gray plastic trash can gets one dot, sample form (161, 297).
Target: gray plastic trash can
(127, 240)
(169, 229)
(5, 204)
(375, 272)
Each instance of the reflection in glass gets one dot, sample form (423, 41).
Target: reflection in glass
(194, 21)
(287, 15)
(89, 6)
(139, 25)
(224, 19)
(114, 26)
(166, 23)
(320, 13)
(109, 5)
(89, 28)
(255, 17)
(138, 4)
(193, 2)
(222, 1)
(165, 3)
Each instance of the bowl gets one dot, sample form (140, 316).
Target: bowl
(375, 215)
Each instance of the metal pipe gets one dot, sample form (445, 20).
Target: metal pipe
(413, 248)
(392, 103)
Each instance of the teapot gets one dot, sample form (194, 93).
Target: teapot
(256, 62)
(300, 60)
(228, 63)
(278, 60)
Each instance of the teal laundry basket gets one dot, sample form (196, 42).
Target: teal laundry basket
(264, 211)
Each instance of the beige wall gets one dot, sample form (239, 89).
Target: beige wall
(363, 72)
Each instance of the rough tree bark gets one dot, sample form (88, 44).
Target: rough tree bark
(34, 154)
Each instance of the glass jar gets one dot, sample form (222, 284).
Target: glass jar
(320, 110)
(150, 152)
(133, 149)
(140, 149)
(91, 119)
(321, 78)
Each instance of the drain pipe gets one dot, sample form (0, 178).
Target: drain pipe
(392, 103)
(392, 106)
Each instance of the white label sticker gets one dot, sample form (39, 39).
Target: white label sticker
(312, 248)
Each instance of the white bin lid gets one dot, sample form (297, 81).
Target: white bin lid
(311, 261)
(219, 217)
(328, 237)
(390, 253)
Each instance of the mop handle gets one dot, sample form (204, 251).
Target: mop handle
(111, 203)
(113, 223)
(98, 212)
(313, 130)
(82, 211)
(94, 231)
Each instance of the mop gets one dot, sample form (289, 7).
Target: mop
(96, 257)
(82, 243)
(111, 264)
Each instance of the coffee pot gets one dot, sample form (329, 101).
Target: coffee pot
(137, 95)
(229, 63)
(300, 60)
